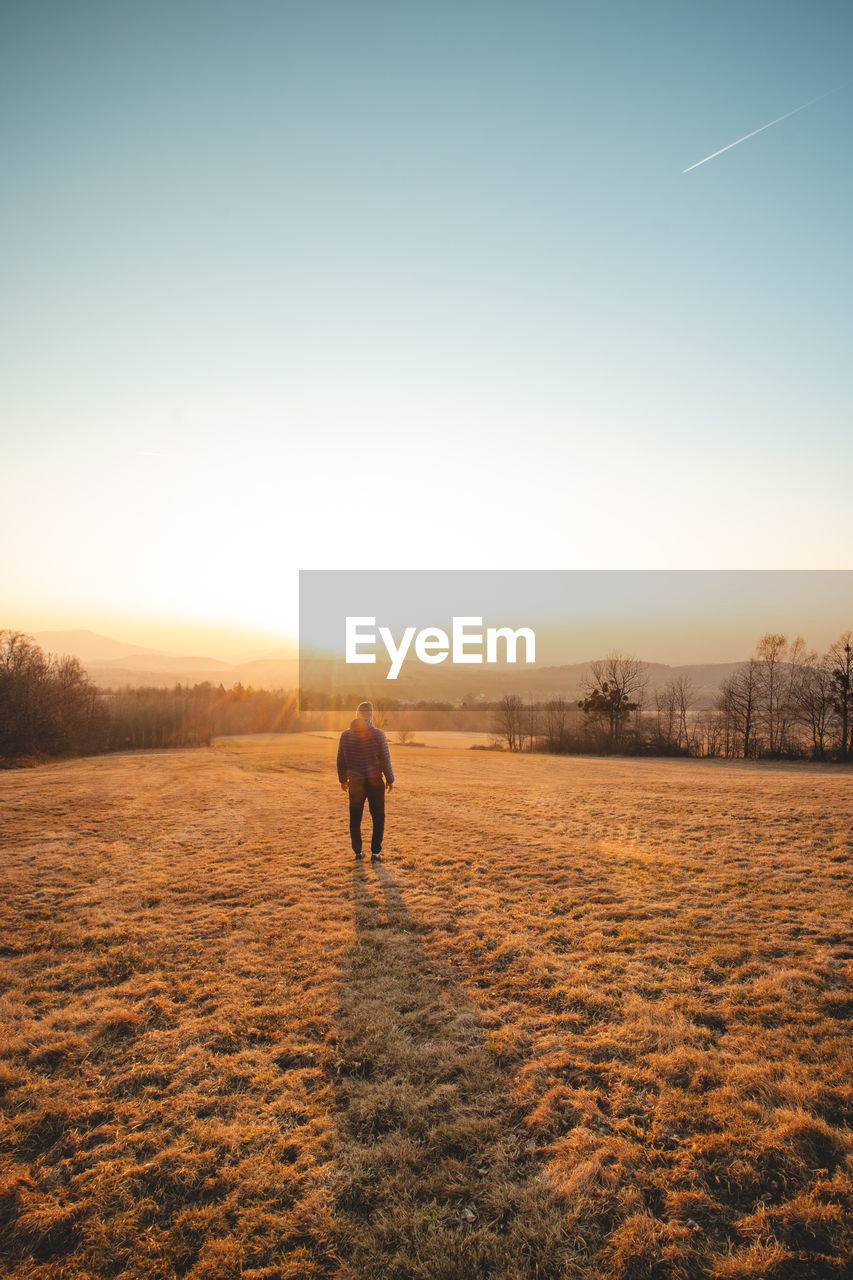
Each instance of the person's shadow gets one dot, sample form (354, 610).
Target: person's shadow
(436, 1173)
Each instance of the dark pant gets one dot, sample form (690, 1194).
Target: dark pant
(374, 794)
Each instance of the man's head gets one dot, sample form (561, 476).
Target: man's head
(364, 711)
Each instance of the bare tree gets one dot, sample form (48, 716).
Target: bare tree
(841, 667)
(709, 733)
(673, 703)
(737, 703)
(47, 705)
(771, 652)
(555, 724)
(779, 675)
(685, 693)
(814, 700)
(509, 721)
(531, 725)
(614, 689)
(791, 683)
(666, 718)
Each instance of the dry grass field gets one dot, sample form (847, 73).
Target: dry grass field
(589, 1019)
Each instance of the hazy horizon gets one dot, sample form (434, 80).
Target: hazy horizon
(671, 618)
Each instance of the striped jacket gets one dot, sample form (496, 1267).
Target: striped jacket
(363, 754)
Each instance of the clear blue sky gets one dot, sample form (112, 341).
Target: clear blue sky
(264, 262)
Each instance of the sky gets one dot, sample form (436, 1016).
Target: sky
(388, 285)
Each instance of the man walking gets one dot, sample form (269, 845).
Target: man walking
(364, 769)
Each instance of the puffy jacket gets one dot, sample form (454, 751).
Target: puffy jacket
(363, 753)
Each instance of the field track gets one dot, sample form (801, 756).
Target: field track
(589, 1019)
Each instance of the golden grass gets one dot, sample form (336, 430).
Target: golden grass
(589, 1019)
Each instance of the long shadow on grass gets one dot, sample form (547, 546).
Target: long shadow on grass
(436, 1177)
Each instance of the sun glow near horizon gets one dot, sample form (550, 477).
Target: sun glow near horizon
(438, 303)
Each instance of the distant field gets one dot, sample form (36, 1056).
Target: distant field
(589, 1019)
(432, 738)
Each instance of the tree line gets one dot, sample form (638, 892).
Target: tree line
(49, 708)
(786, 701)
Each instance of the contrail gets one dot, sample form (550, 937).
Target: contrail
(769, 125)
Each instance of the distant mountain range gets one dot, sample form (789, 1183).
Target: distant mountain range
(89, 646)
(117, 664)
(450, 683)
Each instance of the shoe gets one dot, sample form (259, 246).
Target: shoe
(375, 857)
(359, 857)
